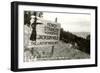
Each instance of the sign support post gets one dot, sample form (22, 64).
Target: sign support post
(52, 51)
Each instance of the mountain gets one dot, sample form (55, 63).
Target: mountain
(81, 34)
(81, 43)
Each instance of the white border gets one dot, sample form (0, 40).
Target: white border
(22, 64)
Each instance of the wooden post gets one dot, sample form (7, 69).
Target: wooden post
(52, 51)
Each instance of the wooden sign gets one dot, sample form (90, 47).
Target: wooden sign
(47, 33)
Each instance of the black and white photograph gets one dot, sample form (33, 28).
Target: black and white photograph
(56, 36)
(52, 36)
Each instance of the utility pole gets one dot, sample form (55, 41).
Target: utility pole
(56, 19)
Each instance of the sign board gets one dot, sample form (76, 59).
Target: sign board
(48, 33)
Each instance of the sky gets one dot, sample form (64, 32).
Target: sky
(70, 21)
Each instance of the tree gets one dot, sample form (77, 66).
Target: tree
(88, 37)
